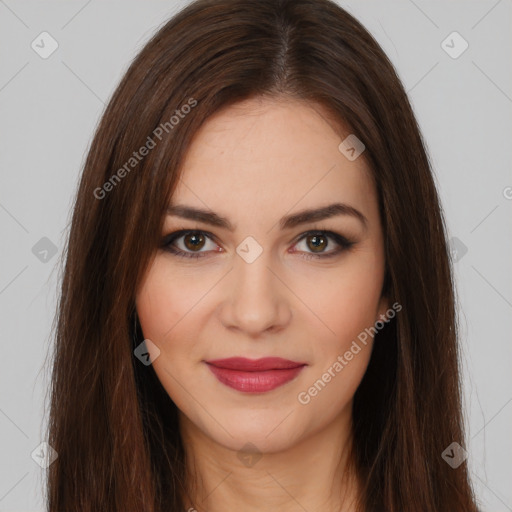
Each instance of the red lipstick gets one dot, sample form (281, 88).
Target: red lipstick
(254, 375)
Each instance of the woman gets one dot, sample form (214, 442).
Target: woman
(257, 309)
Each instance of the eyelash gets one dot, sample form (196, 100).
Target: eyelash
(344, 243)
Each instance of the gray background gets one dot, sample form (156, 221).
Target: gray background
(49, 109)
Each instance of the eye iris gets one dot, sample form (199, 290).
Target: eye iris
(317, 244)
(196, 240)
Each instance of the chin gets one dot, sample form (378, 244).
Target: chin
(269, 430)
(250, 438)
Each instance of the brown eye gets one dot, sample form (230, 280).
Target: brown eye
(194, 241)
(189, 243)
(317, 243)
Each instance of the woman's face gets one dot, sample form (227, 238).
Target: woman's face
(262, 287)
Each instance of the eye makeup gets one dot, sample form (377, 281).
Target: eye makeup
(341, 243)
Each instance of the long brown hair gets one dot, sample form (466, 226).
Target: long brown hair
(114, 427)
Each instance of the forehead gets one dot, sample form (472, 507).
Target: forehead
(266, 156)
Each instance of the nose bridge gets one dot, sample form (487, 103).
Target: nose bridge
(258, 301)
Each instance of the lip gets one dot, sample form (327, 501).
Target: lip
(254, 375)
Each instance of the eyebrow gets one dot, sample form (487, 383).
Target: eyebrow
(287, 222)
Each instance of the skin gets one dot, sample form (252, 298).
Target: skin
(254, 163)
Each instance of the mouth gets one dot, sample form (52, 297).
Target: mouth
(254, 375)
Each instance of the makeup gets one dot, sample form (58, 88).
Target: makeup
(254, 375)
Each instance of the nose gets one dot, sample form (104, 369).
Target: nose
(257, 301)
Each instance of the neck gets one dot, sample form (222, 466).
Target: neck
(316, 474)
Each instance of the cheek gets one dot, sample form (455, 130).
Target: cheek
(169, 310)
(344, 300)
(164, 300)
(347, 305)
(162, 307)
